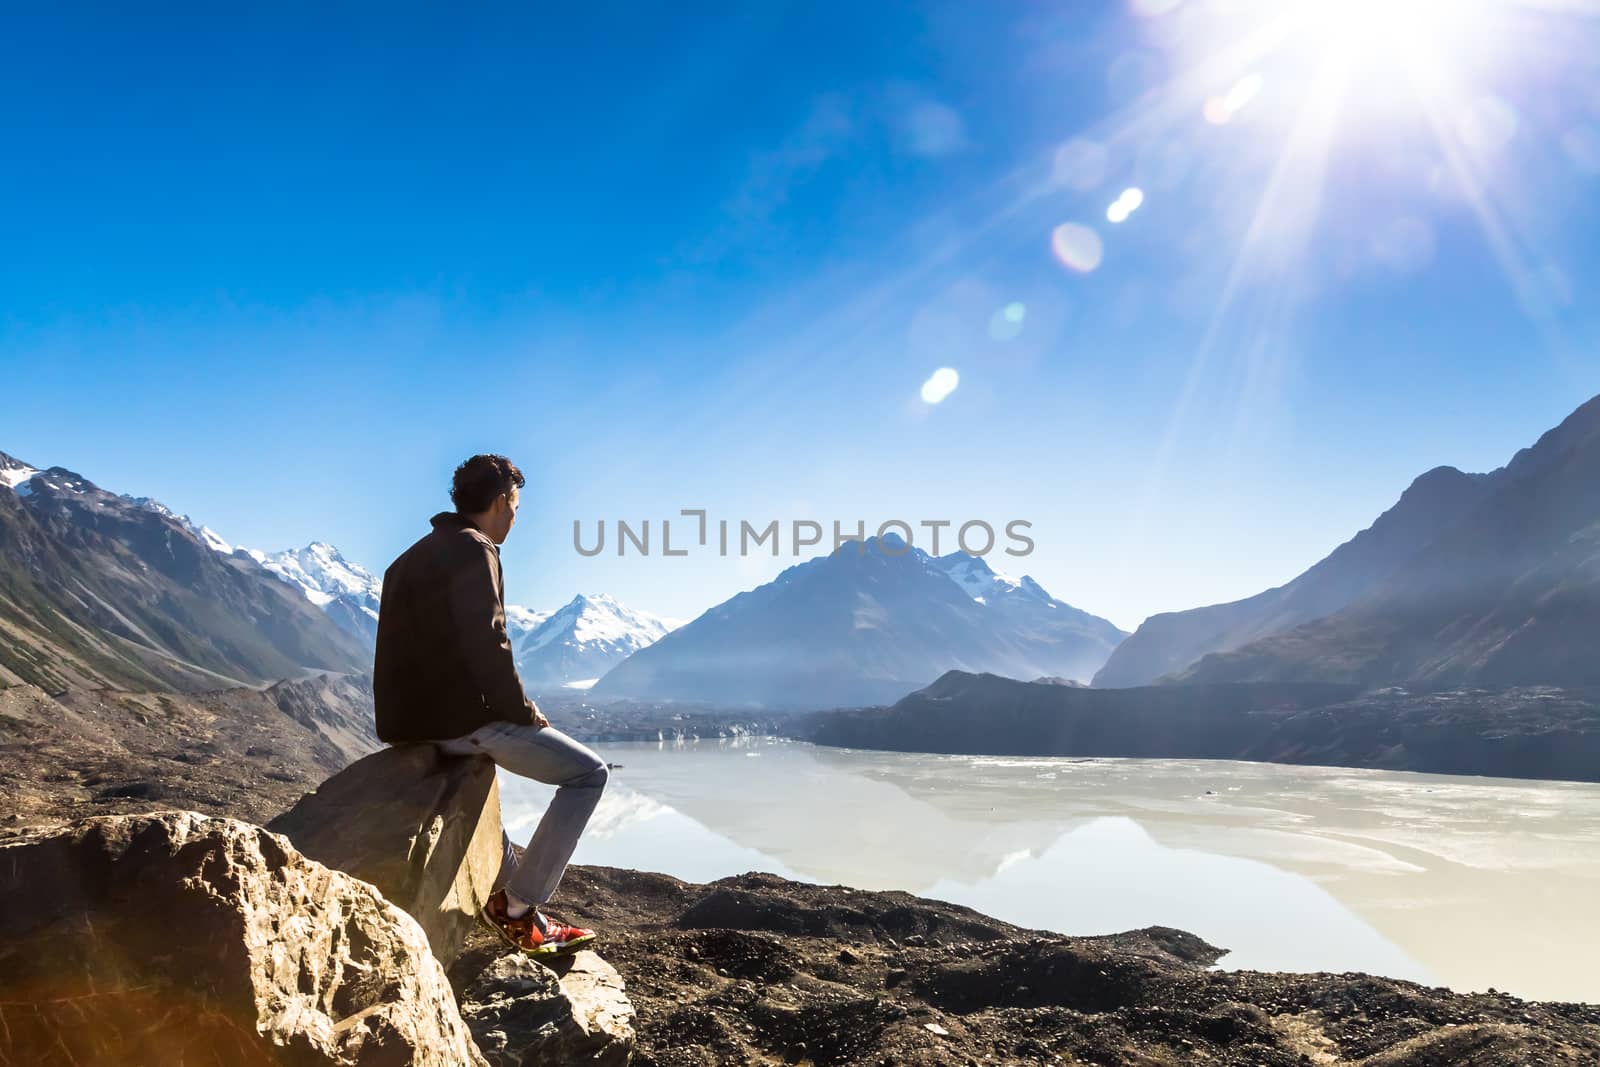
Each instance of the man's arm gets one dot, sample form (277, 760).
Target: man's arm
(480, 626)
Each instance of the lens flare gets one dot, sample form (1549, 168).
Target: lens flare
(1006, 324)
(1220, 110)
(1077, 246)
(939, 385)
(1125, 205)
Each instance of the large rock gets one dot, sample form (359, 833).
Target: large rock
(421, 826)
(523, 1013)
(176, 938)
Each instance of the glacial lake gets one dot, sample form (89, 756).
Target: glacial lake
(1463, 882)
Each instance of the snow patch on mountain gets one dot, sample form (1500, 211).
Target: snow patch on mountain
(213, 541)
(14, 472)
(980, 581)
(204, 534)
(525, 618)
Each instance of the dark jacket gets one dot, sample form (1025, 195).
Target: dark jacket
(443, 666)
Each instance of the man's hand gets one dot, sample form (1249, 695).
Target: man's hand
(538, 716)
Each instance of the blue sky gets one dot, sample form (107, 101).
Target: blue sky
(282, 271)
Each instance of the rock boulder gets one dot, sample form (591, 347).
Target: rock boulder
(523, 1013)
(421, 826)
(178, 938)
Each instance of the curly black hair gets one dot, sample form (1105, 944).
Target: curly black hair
(482, 478)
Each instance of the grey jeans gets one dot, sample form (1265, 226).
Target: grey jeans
(547, 755)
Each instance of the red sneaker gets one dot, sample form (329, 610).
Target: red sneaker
(524, 934)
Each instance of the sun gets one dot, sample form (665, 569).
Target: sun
(1425, 42)
(1388, 25)
(1309, 142)
(1377, 42)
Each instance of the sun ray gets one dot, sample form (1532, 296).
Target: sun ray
(1229, 48)
(1510, 251)
(1175, 103)
(1299, 170)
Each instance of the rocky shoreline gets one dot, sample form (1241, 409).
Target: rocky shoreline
(751, 968)
(758, 969)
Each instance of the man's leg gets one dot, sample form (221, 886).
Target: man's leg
(463, 746)
(547, 755)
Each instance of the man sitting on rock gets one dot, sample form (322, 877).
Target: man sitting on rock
(444, 673)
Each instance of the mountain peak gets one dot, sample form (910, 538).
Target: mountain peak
(979, 580)
(965, 560)
(13, 472)
(579, 642)
(346, 591)
(1440, 480)
(1577, 430)
(63, 480)
(888, 546)
(212, 540)
(840, 630)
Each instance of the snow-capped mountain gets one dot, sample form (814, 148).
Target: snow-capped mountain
(106, 591)
(1024, 605)
(347, 592)
(13, 472)
(981, 582)
(575, 645)
(521, 624)
(864, 626)
(207, 536)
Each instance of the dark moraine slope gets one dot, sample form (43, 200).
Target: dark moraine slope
(1527, 732)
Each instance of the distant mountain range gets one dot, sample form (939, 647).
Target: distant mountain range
(346, 592)
(562, 649)
(1486, 579)
(867, 623)
(101, 590)
(1171, 642)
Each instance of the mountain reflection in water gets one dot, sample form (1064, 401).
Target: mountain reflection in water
(1465, 882)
